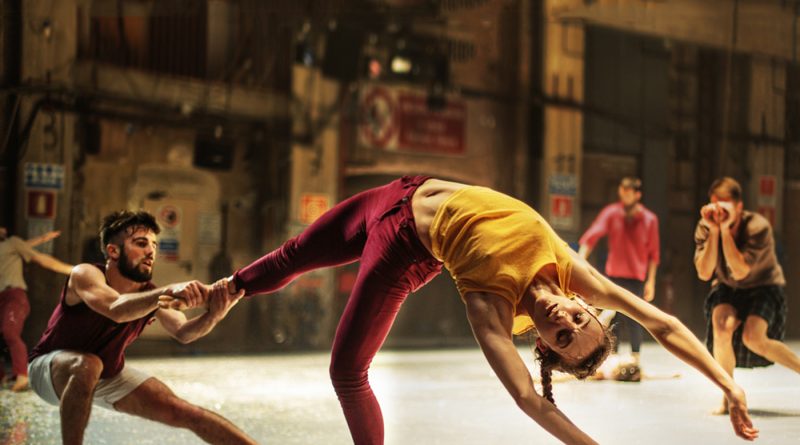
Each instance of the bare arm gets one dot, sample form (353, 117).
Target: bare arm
(187, 331)
(707, 254)
(89, 284)
(28, 253)
(491, 320)
(585, 251)
(667, 330)
(41, 239)
(706, 260)
(650, 283)
(597, 230)
(49, 262)
(734, 259)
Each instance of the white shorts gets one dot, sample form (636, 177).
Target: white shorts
(106, 393)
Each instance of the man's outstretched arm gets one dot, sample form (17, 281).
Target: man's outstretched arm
(89, 284)
(219, 302)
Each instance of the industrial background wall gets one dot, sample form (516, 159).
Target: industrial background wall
(277, 113)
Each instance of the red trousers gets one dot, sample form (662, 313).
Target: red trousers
(14, 309)
(377, 228)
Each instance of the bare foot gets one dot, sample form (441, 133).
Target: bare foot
(21, 384)
(723, 409)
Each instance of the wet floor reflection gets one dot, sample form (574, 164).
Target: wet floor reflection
(428, 397)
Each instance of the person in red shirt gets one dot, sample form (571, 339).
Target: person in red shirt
(633, 250)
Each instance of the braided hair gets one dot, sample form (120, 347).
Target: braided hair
(547, 362)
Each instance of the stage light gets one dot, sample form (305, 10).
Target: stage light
(401, 65)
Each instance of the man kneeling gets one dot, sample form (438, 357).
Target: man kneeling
(103, 308)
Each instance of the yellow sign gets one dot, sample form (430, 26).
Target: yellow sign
(312, 206)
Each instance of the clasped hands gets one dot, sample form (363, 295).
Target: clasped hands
(719, 214)
(192, 294)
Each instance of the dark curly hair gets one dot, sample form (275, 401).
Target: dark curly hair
(124, 222)
(550, 360)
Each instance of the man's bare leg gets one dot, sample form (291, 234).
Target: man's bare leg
(153, 400)
(724, 323)
(75, 377)
(755, 338)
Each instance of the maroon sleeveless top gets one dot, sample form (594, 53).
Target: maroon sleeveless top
(79, 328)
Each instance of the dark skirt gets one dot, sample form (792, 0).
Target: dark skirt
(767, 302)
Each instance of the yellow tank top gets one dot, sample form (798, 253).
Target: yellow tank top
(493, 243)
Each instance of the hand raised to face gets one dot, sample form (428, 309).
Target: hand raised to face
(710, 214)
(726, 214)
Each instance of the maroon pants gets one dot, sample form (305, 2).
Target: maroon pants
(14, 309)
(376, 227)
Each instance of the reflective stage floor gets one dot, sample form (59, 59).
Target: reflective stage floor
(429, 397)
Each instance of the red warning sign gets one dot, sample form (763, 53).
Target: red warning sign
(562, 212)
(41, 204)
(766, 185)
(378, 125)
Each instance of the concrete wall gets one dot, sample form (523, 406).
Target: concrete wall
(749, 26)
(563, 81)
(629, 112)
(791, 265)
(47, 55)
(136, 163)
(487, 31)
(315, 181)
(650, 86)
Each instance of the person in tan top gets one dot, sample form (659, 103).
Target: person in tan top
(746, 308)
(14, 306)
